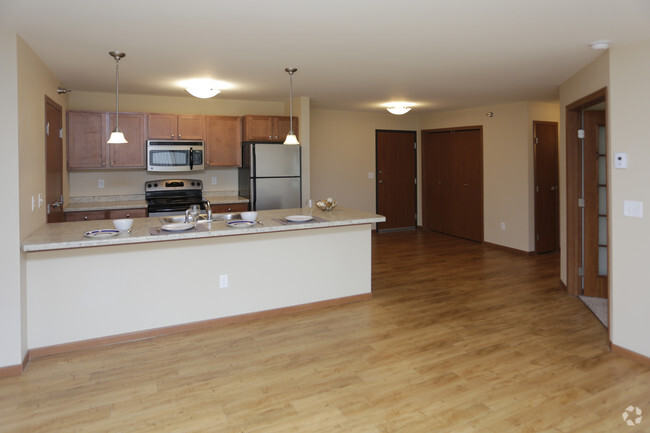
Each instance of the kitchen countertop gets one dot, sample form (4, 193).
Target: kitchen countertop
(117, 203)
(68, 235)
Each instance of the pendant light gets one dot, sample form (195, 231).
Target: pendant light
(117, 137)
(291, 137)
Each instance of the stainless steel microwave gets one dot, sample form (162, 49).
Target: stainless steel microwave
(169, 155)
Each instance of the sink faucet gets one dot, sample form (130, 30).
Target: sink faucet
(208, 209)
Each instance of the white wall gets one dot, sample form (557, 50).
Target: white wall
(628, 125)
(12, 344)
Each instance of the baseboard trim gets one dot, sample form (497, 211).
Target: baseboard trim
(11, 371)
(56, 349)
(626, 353)
(564, 286)
(509, 249)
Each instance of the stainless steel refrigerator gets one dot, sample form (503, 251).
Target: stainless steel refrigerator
(270, 176)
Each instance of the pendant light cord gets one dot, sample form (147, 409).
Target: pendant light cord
(117, 92)
(291, 102)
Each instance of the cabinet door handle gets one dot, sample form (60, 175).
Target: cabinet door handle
(85, 218)
(103, 164)
(172, 135)
(179, 135)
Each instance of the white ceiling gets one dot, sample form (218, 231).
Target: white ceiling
(350, 54)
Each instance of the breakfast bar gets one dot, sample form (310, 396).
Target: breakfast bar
(86, 291)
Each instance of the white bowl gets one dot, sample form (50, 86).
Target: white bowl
(249, 216)
(123, 224)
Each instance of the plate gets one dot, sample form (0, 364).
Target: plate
(104, 233)
(298, 218)
(178, 227)
(240, 224)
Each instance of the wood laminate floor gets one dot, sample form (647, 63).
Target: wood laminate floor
(458, 338)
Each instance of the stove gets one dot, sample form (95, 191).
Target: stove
(167, 197)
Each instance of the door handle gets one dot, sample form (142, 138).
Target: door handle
(380, 181)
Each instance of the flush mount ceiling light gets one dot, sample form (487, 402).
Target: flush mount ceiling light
(600, 45)
(203, 92)
(291, 137)
(398, 109)
(117, 137)
(203, 88)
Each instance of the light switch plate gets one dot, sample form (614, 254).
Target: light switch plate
(633, 208)
(620, 160)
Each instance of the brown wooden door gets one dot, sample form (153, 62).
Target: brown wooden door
(452, 182)
(595, 210)
(467, 170)
(547, 214)
(437, 179)
(54, 161)
(395, 180)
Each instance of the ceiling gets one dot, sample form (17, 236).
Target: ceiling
(350, 54)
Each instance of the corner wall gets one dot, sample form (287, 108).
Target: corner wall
(628, 130)
(12, 342)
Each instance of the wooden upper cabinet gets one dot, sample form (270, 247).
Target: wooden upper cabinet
(190, 127)
(86, 139)
(131, 154)
(88, 133)
(267, 128)
(222, 141)
(175, 127)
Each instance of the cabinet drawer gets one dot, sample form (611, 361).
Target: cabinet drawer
(127, 213)
(229, 207)
(85, 216)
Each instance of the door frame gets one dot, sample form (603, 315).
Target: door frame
(57, 216)
(574, 188)
(415, 184)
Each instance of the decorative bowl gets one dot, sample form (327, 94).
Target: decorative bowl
(123, 225)
(327, 204)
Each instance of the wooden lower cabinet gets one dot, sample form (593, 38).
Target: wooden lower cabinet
(229, 207)
(115, 214)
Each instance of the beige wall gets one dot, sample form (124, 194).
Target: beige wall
(34, 81)
(628, 126)
(24, 80)
(507, 165)
(12, 326)
(343, 153)
(84, 183)
(593, 77)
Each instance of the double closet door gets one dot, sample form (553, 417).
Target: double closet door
(452, 181)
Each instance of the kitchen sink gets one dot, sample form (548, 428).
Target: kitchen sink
(202, 218)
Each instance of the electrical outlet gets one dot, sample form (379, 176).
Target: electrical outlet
(503, 225)
(223, 281)
(100, 183)
(33, 203)
(40, 200)
(214, 180)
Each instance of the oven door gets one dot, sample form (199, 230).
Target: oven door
(164, 156)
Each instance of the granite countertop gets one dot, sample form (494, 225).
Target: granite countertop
(87, 204)
(68, 235)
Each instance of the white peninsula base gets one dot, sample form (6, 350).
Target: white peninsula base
(83, 297)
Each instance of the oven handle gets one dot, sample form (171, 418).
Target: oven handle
(191, 158)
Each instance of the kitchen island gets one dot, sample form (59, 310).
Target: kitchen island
(84, 292)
